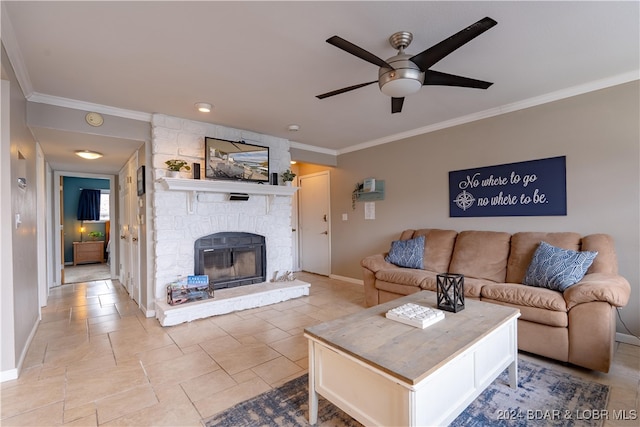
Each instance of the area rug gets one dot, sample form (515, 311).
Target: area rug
(86, 273)
(545, 397)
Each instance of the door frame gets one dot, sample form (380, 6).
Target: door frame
(57, 227)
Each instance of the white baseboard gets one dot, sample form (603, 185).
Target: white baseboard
(9, 375)
(13, 374)
(347, 279)
(627, 339)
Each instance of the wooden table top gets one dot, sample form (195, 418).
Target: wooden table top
(406, 352)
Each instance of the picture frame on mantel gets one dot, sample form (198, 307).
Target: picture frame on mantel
(141, 181)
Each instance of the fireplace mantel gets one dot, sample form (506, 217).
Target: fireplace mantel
(195, 186)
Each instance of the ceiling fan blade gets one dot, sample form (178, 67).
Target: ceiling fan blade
(396, 105)
(343, 90)
(351, 48)
(435, 53)
(437, 78)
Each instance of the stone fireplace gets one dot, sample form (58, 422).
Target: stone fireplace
(186, 210)
(231, 259)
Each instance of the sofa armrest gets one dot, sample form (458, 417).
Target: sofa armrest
(376, 262)
(605, 287)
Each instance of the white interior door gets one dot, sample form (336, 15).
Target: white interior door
(134, 265)
(125, 235)
(315, 223)
(129, 232)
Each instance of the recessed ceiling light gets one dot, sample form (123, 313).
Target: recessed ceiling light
(204, 107)
(87, 154)
(294, 128)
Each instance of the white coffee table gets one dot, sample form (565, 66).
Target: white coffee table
(383, 372)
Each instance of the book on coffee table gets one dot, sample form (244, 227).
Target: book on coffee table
(415, 315)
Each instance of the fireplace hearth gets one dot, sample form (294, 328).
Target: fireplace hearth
(231, 259)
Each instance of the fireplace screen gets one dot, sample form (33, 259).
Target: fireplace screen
(231, 259)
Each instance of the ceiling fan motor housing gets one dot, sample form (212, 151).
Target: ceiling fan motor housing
(406, 78)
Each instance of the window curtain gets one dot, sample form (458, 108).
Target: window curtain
(89, 205)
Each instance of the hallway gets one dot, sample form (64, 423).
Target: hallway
(95, 360)
(86, 273)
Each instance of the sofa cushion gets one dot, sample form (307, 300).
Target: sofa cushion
(557, 319)
(395, 288)
(557, 268)
(524, 244)
(472, 287)
(606, 261)
(518, 294)
(437, 248)
(402, 276)
(481, 254)
(407, 253)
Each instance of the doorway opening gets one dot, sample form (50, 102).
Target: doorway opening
(92, 258)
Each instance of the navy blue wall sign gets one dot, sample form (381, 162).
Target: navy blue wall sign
(532, 188)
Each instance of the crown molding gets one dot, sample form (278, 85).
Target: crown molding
(13, 52)
(89, 106)
(315, 149)
(508, 108)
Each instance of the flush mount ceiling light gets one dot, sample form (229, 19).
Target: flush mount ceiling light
(294, 128)
(89, 155)
(204, 107)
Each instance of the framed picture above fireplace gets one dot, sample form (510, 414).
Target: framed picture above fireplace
(238, 161)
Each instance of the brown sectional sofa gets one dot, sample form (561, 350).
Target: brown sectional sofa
(577, 326)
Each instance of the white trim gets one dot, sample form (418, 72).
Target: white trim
(508, 108)
(315, 149)
(627, 339)
(347, 279)
(148, 313)
(59, 101)
(13, 374)
(8, 375)
(14, 53)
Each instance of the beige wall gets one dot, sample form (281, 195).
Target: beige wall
(598, 133)
(20, 278)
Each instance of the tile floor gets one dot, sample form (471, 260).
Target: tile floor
(95, 360)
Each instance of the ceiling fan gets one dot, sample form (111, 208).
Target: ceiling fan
(405, 74)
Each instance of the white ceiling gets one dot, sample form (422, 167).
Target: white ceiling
(262, 63)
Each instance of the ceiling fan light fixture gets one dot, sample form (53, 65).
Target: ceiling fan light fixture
(399, 88)
(88, 154)
(405, 79)
(204, 107)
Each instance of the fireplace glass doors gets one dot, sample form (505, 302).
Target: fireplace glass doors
(231, 259)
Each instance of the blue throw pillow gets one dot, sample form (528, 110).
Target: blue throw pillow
(556, 268)
(407, 253)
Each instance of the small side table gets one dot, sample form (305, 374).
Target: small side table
(85, 252)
